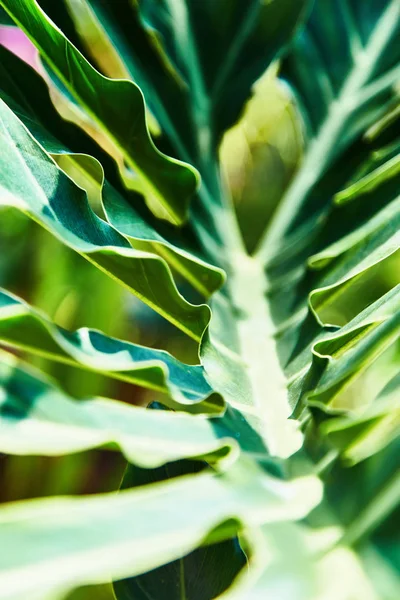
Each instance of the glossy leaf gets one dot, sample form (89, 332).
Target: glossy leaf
(271, 549)
(169, 181)
(196, 62)
(26, 93)
(302, 344)
(32, 182)
(24, 327)
(338, 219)
(38, 419)
(344, 355)
(93, 539)
(203, 574)
(353, 86)
(361, 436)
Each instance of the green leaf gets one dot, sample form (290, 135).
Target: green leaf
(56, 544)
(365, 500)
(287, 559)
(359, 437)
(278, 302)
(115, 30)
(201, 575)
(297, 329)
(350, 102)
(26, 93)
(342, 356)
(280, 564)
(221, 48)
(32, 182)
(23, 327)
(195, 62)
(351, 49)
(169, 181)
(338, 219)
(38, 419)
(371, 239)
(352, 91)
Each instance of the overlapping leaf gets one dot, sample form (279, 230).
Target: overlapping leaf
(203, 574)
(360, 436)
(132, 534)
(196, 62)
(23, 327)
(352, 51)
(274, 322)
(344, 355)
(271, 548)
(26, 93)
(37, 418)
(363, 222)
(171, 182)
(339, 241)
(32, 182)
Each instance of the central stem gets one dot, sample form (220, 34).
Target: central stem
(258, 348)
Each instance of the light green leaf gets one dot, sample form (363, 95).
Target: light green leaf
(270, 317)
(352, 53)
(280, 566)
(32, 182)
(170, 181)
(342, 356)
(338, 219)
(365, 498)
(56, 544)
(358, 437)
(345, 101)
(38, 419)
(26, 93)
(203, 574)
(23, 327)
(275, 348)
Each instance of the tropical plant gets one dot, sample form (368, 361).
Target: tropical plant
(270, 468)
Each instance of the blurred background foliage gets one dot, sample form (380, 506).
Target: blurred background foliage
(259, 155)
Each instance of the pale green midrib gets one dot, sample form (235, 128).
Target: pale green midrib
(182, 580)
(319, 152)
(248, 283)
(258, 349)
